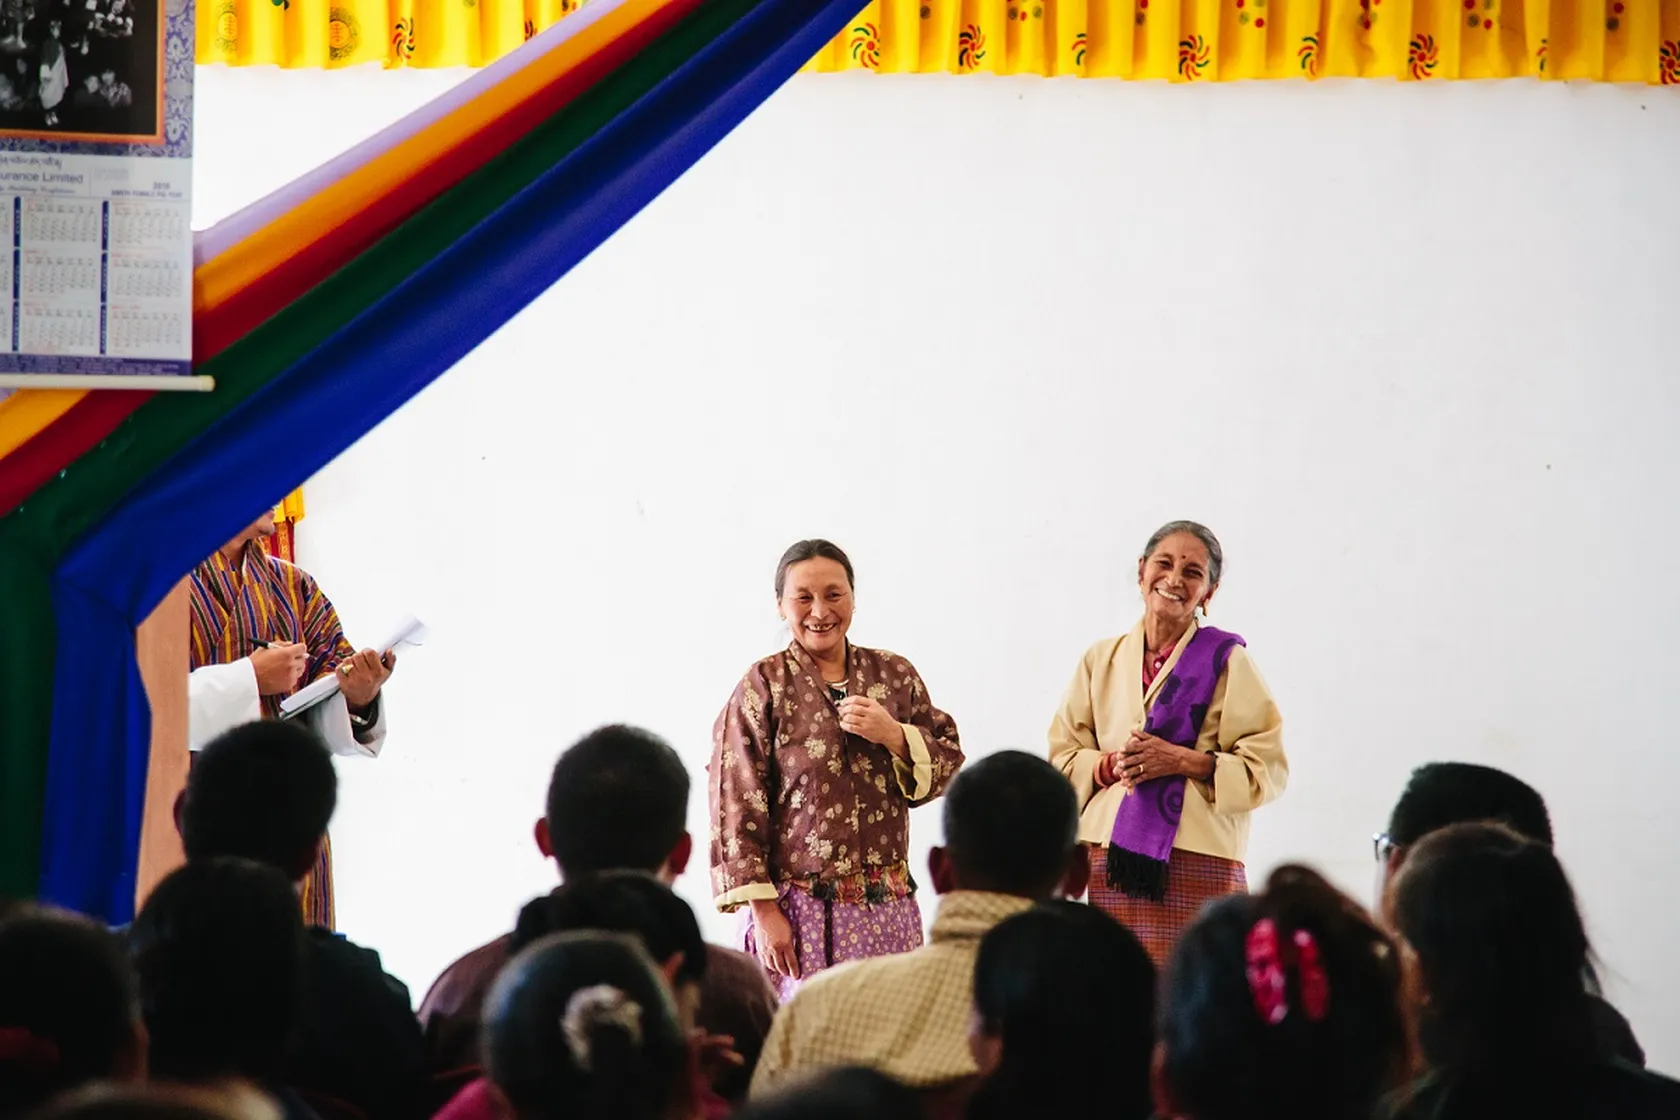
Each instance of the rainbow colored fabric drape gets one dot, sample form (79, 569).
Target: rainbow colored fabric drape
(1170, 40)
(319, 311)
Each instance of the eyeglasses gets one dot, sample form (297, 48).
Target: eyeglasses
(1383, 846)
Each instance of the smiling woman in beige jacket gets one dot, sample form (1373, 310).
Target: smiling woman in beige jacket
(1207, 780)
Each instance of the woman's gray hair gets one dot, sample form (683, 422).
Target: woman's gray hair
(1216, 555)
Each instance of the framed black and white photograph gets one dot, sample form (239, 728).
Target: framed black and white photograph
(82, 70)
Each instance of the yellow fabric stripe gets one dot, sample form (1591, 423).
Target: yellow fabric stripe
(216, 280)
(290, 508)
(29, 411)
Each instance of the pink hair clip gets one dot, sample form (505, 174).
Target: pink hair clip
(1265, 973)
(1268, 979)
(1315, 985)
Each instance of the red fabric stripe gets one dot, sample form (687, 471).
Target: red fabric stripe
(282, 545)
(64, 441)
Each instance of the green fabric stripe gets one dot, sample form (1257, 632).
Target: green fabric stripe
(36, 535)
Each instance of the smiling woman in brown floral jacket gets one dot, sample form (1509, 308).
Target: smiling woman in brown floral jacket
(816, 762)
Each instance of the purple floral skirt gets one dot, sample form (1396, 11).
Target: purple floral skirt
(831, 933)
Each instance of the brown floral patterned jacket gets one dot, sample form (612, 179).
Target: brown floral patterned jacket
(796, 800)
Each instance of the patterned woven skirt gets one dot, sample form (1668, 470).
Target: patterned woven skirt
(831, 933)
(317, 894)
(1193, 880)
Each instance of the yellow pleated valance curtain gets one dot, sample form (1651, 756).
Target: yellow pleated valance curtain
(1229, 40)
(1172, 40)
(328, 34)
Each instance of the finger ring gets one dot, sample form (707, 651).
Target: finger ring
(347, 668)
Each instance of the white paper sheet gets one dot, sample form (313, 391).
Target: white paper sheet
(410, 632)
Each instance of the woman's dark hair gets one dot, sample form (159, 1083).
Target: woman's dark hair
(1501, 949)
(1216, 554)
(580, 1026)
(69, 1008)
(219, 950)
(632, 902)
(620, 902)
(848, 1093)
(1283, 1005)
(1065, 987)
(816, 549)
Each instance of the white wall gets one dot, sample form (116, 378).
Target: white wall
(1410, 351)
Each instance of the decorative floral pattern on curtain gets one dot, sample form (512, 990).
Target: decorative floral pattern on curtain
(1229, 40)
(1174, 40)
(328, 34)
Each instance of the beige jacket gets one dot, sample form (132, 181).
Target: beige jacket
(1106, 702)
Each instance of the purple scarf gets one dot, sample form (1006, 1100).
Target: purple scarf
(1147, 821)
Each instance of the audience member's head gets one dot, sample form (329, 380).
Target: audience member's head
(219, 950)
(632, 902)
(69, 1009)
(1281, 1004)
(1062, 987)
(581, 1026)
(223, 1101)
(850, 1093)
(263, 791)
(617, 800)
(1442, 794)
(1501, 951)
(1446, 793)
(262, 526)
(1011, 827)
